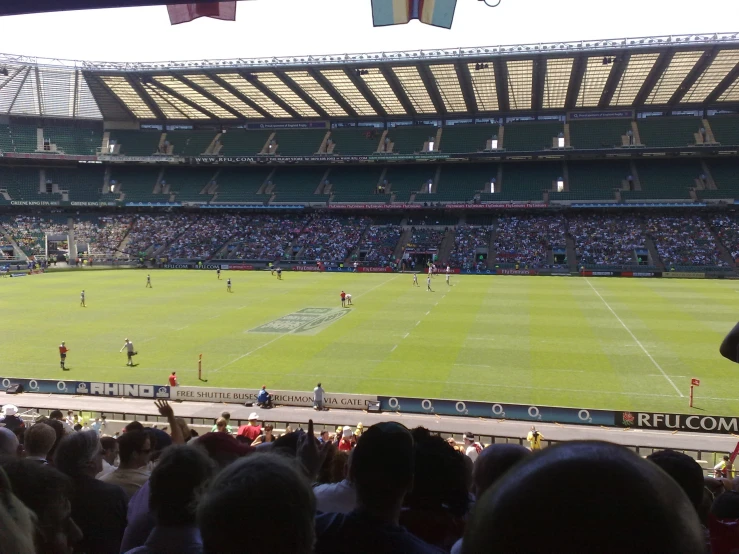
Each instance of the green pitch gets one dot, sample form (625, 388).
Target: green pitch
(526, 340)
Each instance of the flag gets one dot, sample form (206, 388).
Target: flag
(695, 382)
(439, 13)
(182, 13)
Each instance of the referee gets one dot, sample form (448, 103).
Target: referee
(63, 355)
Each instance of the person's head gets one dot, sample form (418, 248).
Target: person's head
(8, 442)
(39, 440)
(726, 506)
(77, 427)
(576, 494)
(684, 470)
(253, 418)
(324, 435)
(134, 448)
(110, 449)
(268, 428)
(175, 483)
(270, 492)
(319, 385)
(347, 433)
(226, 416)
(493, 463)
(440, 477)
(222, 425)
(222, 448)
(726, 458)
(134, 426)
(47, 492)
(79, 455)
(382, 466)
(59, 431)
(56, 414)
(469, 438)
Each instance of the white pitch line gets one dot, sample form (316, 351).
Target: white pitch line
(182, 328)
(406, 335)
(417, 323)
(659, 367)
(427, 313)
(394, 347)
(289, 332)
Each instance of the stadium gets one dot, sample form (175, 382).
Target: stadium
(529, 234)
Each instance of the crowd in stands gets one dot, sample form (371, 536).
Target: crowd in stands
(727, 231)
(385, 488)
(605, 240)
(380, 243)
(684, 241)
(29, 231)
(104, 234)
(467, 240)
(156, 231)
(265, 238)
(329, 238)
(525, 240)
(205, 236)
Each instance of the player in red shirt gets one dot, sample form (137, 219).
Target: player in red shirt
(63, 355)
(343, 299)
(173, 380)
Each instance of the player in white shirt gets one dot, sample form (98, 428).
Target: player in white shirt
(448, 270)
(130, 352)
(82, 299)
(228, 284)
(415, 280)
(148, 282)
(447, 279)
(349, 299)
(428, 283)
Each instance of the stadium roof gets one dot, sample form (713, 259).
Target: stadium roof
(651, 73)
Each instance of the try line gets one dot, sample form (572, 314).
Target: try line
(636, 340)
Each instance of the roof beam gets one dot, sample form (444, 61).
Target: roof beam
(465, 82)
(392, 80)
(351, 72)
(501, 84)
(698, 69)
(20, 88)
(725, 83)
(233, 90)
(659, 67)
(333, 92)
(38, 91)
(620, 64)
(302, 94)
(91, 78)
(269, 94)
(430, 83)
(209, 96)
(180, 97)
(537, 83)
(579, 65)
(134, 81)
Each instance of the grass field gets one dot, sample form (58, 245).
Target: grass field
(593, 343)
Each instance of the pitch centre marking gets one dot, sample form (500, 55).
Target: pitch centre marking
(636, 340)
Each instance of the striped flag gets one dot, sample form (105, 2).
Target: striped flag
(182, 13)
(439, 13)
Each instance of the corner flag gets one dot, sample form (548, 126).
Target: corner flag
(183, 13)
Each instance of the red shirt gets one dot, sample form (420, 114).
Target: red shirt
(345, 445)
(63, 350)
(173, 380)
(343, 295)
(251, 432)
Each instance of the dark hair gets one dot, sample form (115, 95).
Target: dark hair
(726, 506)
(226, 415)
(440, 478)
(107, 443)
(280, 504)
(131, 442)
(684, 470)
(175, 482)
(75, 452)
(77, 427)
(56, 414)
(494, 462)
(134, 426)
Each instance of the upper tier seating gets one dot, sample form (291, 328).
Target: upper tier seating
(600, 133)
(299, 142)
(241, 184)
(137, 143)
(409, 140)
(466, 138)
(531, 135)
(355, 141)
(243, 143)
(356, 184)
(668, 131)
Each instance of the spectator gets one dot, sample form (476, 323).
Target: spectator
(264, 398)
(280, 505)
(221, 425)
(435, 508)
(598, 483)
(534, 437)
(16, 522)
(684, 470)
(318, 394)
(252, 430)
(110, 453)
(58, 416)
(97, 507)
(382, 472)
(472, 448)
(339, 497)
(493, 463)
(347, 442)
(223, 448)
(9, 444)
(9, 418)
(134, 449)
(267, 435)
(47, 492)
(38, 442)
(174, 486)
(59, 433)
(226, 416)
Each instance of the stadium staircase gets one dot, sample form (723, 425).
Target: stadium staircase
(17, 250)
(404, 239)
(654, 258)
(571, 254)
(447, 243)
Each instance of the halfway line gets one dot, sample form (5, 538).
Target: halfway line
(662, 371)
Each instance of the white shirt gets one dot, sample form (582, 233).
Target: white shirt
(471, 452)
(107, 468)
(336, 497)
(129, 346)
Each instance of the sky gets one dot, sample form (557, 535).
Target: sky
(265, 28)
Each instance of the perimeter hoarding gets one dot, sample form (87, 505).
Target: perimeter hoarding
(87, 388)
